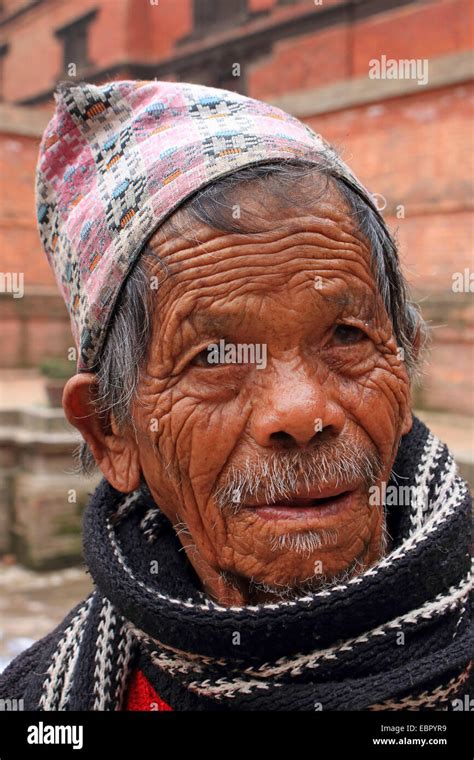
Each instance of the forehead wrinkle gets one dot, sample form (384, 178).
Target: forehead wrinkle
(236, 263)
(304, 241)
(327, 231)
(185, 303)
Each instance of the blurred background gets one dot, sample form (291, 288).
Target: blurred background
(388, 82)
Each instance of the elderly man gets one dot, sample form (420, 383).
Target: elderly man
(274, 529)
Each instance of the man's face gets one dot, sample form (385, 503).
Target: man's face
(264, 464)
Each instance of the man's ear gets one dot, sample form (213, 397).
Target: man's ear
(115, 452)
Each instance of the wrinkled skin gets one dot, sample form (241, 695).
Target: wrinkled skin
(195, 421)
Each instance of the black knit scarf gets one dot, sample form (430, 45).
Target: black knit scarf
(398, 636)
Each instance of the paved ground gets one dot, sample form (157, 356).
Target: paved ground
(32, 604)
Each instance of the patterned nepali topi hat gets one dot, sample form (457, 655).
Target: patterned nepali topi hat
(116, 160)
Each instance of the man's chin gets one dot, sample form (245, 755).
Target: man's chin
(263, 592)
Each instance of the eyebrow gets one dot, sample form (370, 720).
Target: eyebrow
(342, 299)
(350, 297)
(210, 322)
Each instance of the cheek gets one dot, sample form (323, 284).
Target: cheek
(379, 403)
(190, 439)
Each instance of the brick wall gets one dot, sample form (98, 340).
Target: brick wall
(19, 241)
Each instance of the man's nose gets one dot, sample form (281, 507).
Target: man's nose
(296, 412)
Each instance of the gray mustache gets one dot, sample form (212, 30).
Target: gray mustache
(278, 475)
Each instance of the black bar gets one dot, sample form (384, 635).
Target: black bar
(334, 734)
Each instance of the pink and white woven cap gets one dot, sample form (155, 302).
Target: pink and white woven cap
(116, 160)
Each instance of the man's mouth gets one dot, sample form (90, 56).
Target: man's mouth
(316, 504)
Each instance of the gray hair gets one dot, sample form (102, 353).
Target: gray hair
(125, 350)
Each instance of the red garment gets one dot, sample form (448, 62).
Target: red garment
(142, 696)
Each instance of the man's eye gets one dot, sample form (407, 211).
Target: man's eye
(203, 359)
(347, 335)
